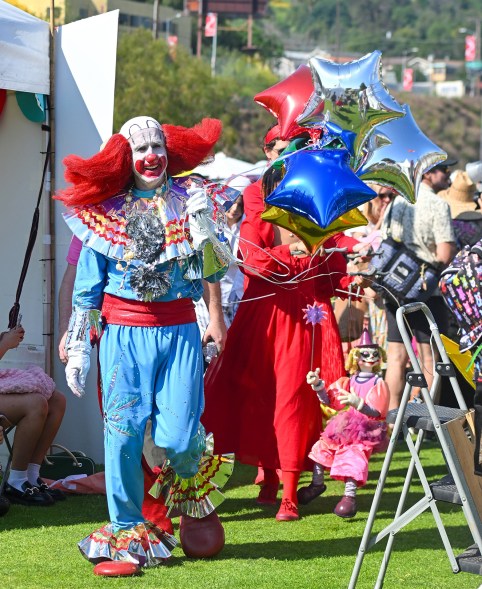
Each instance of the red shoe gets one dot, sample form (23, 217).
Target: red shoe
(288, 511)
(346, 507)
(267, 495)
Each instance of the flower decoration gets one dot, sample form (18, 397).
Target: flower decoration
(314, 314)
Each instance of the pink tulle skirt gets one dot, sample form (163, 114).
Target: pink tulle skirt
(26, 380)
(352, 427)
(347, 443)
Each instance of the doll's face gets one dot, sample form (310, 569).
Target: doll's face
(369, 359)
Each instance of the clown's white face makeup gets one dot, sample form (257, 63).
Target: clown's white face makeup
(369, 360)
(149, 158)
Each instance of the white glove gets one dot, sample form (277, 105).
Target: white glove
(350, 398)
(77, 366)
(200, 209)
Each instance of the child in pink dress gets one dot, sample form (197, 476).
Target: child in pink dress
(22, 380)
(30, 401)
(358, 429)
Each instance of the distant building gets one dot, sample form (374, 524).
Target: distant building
(132, 15)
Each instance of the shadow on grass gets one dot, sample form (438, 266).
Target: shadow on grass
(305, 550)
(77, 509)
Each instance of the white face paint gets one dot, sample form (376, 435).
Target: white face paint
(149, 158)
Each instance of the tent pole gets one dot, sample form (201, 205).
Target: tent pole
(50, 230)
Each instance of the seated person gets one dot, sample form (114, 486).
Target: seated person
(30, 401)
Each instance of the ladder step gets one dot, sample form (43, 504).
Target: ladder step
(446, 490)
(417, 416)
(470, 561)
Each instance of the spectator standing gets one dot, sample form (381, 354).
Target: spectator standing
(426, 229)
(463, 200)
(257, 401)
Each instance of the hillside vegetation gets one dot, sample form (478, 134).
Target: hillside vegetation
(178, 88)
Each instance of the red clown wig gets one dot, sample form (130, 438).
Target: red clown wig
(110, 171)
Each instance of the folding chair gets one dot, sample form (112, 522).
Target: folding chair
(8, 444)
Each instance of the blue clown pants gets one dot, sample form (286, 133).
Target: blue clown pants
(148, 372)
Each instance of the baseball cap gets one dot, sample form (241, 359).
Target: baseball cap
(447, 163)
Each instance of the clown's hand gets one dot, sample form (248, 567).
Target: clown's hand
(352, 399)
(318, 385)
(77, 366)
(200, 209)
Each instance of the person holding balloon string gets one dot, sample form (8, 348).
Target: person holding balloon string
(357, 429)
(256, 401)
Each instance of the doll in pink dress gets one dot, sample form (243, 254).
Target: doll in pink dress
(356, 431)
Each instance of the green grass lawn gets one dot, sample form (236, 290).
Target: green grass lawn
(38, 545)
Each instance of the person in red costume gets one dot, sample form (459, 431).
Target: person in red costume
(273, 145)
(256, 401)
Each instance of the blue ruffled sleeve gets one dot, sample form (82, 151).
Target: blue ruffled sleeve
(90, 280)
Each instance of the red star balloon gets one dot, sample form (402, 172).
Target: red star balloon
(288, 99)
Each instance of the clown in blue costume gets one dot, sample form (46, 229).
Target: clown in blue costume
(145, 252)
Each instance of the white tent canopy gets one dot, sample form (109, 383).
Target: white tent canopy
(224, 167)
(24, 51)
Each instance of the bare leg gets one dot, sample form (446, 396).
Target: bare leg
(56, 410)
(426, 359)
(28, 411)
(397, 358)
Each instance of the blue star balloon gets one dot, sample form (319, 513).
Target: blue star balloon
(335, 131)
(351, 95)
(320, 186)
(397, 154)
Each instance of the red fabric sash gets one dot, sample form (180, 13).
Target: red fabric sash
(119, 311)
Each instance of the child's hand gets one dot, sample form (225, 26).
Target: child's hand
(313, 379)
(349, 398)
(12, 338)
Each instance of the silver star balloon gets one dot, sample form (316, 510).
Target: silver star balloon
(397, 154)
(351, 95)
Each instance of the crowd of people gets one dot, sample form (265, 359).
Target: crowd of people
(132, 296)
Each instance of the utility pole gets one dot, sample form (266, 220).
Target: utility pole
(49, 251)
(199, 28)
(155, 19)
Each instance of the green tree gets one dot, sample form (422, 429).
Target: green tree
(177, 88)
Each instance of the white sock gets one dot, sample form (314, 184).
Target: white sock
(318, 475)
(33, 472)
(16, 478)
(350, 488)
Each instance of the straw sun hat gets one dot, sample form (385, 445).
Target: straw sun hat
(460, 196)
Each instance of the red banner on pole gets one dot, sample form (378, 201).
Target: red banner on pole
(211, 26)
(470, 47)
(408, 79)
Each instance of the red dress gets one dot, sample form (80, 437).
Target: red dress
(258, 404)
